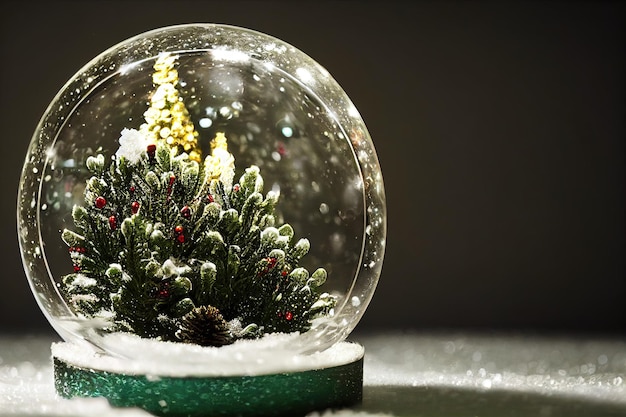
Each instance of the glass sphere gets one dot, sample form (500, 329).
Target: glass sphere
(276, 109)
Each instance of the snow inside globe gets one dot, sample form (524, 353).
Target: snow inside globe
(202, 187)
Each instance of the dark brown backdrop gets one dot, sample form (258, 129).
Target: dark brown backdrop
(499, 127)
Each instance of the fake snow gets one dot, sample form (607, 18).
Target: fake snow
(133, 144)
(403, 372)
(582, 369)
(267, 355)
(27, 387)
(82, 281)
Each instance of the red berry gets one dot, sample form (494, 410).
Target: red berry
(164, 290)
(100, 202)
(185, 212)
(134, 207)
(271, 262)
(288, 316)
(180, 238)
(151, 149)
(132, 189)
(178, 229)
(210, 198)
(76, 268)
(113, 222)
(169, 187)
(236, 188)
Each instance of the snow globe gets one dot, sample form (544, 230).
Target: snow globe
(202, 219)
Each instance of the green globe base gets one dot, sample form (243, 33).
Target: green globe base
(295, 393)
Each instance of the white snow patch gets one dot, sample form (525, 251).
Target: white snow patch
(86, 298)
(132, 145)
(267, 355)
(82, 281)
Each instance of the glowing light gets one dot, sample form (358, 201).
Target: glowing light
(205, 122)
(126, 68)
(304, 75)
(287, 131)
(230, 55)
(352, 111)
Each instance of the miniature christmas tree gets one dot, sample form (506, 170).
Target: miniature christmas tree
(167, 246)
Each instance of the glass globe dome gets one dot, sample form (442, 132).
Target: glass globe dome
(239, 100)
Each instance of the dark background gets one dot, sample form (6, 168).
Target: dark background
(499, 128)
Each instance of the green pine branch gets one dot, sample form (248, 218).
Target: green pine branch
(166, 252)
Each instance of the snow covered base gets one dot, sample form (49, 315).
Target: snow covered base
(243, 379)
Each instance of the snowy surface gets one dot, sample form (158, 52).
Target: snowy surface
(587, 368)
(267, 355)
(415, 375)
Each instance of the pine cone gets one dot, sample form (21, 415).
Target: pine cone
(204, 326)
